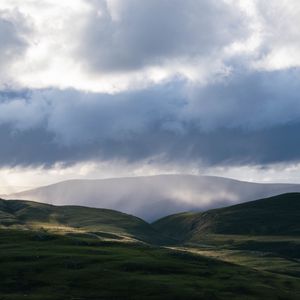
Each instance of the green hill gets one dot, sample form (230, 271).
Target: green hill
(105, 223)
(72, 252)
(279, 215)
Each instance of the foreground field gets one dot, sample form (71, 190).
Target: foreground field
(41, 265)
(275, 254)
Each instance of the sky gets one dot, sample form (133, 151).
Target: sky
(113, 88)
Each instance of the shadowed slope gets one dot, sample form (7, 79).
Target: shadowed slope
(279, 215)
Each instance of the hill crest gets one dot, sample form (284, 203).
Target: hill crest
(153, 197)
(278, 215)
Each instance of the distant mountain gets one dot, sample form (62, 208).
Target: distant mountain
(279, 215)
(154, 197)
(17, 214)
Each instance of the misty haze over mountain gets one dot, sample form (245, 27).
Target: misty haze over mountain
(152, 197)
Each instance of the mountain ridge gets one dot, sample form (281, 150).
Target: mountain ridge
(153, 197)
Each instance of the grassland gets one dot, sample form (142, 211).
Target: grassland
(274, 216)
(76, 219)
(280, 254)
(71, 252)
(39, 265)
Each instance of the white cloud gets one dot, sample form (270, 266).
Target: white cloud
(115, 45)
(280, 21)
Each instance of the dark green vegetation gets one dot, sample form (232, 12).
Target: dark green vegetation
(37, 265)
(247, 251)
(76, 219)
(279, 215)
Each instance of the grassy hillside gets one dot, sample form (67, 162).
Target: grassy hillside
(75, 219)
(37, 265)
(73, 252)
(263, 234)
(279, 215)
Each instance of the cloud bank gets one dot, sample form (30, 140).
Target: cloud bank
(246, 118)
(209, 83)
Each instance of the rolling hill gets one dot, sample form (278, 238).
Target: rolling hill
(106, 223)
(153, 197)
(74, 252)
(274, 216)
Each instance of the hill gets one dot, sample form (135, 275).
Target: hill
(73, 252)
(279, 215)
(20, 214)
(153, 197)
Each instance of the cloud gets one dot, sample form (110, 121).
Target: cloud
(280, 47)
(22, 114)
(173, 82)
(112, 46)
(135, 34)
(246, 118)
(13, 43)
(246, 99)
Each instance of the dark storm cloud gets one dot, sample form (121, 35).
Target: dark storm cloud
(247, 118)
(248, 100)
(142, 33)
(225, 147)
